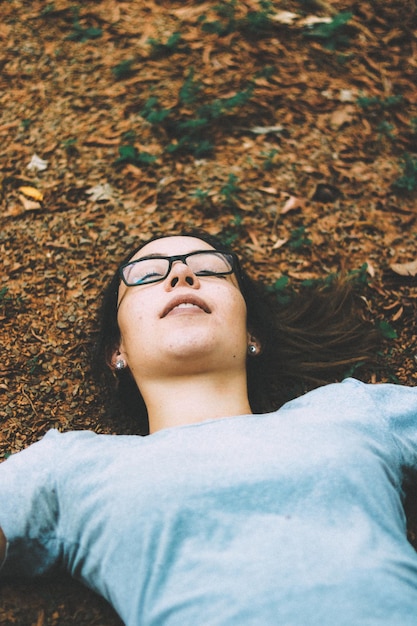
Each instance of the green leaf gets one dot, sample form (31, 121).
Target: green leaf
(387, 330)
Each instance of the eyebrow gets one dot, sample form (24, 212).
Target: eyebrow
(155, 255)
(158, 255)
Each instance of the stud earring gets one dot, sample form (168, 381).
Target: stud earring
(120, 364)
(252, 349)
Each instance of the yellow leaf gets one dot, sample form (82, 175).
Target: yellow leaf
(31, 192)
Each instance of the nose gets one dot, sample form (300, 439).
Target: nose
(181, 275)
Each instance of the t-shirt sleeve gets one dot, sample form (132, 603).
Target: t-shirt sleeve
(29, 509)
(398, 405)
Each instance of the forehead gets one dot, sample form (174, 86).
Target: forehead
(170, 246)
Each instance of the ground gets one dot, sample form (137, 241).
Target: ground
(288, 127)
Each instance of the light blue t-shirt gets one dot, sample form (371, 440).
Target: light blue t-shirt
(292, 518)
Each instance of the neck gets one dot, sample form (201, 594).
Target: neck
(189, 400)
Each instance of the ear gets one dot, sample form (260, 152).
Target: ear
(254, 345)
(118, 360)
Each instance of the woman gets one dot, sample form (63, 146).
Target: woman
(220, 516)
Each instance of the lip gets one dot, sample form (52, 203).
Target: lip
(185, 299)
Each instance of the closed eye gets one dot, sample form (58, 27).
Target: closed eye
(147, 277)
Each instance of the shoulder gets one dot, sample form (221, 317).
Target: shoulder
(357, 390)
(58, 449)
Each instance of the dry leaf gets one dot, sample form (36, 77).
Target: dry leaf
(398, 314)
(32, 192)
(100, 192)
(405, 269)
(284, 17)
(273, 191)
(37, 164)
(312, 20)
(29, 205)
(293, 203)
(370, 269)
(279, 243)
(264, 130)
(346, 95)
(342, 116)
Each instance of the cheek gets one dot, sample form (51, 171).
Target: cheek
(236, 312)
(132, 322)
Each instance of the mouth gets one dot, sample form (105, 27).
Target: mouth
(185, 303)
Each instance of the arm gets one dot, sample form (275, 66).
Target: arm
(2, 546)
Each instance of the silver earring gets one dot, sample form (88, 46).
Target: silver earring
(120, 364)
(252, 349)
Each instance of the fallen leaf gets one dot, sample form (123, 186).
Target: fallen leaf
(37, 164)
(284, 17)
(29, 205)
(292, 204)
(264, 130)
(398, 314)
(32, 192)
(342, 116)
(370, 269)
(346, 95)
(100, 193)
(279, 243)
(405, 269)
(312, 20)
(269, 190)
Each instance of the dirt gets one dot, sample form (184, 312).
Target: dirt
(121, 119)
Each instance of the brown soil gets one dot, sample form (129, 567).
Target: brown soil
(298, 158)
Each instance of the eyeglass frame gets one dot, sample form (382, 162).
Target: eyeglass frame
(235, 269)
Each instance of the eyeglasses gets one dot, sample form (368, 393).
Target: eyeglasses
(152, 269)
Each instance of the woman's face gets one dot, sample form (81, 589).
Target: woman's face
(183, 322)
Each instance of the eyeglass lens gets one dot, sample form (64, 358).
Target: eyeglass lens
(201, 263)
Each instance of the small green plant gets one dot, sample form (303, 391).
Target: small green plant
(69, 146)
(298, 239)
(26, 123)
(257, 23)
(375, 103)
(49, 8)
(386, 330)
(79, 33)
(10, 303)
(229, 191)
(266, 72)
(254, 23)
(189, 91)
(350, 372)
(152, 112)
(3, 294)
(33, 365)
(333, 35)
(129, 154)
(359, 277)
(281, 283)
(160, 49)
(187, 124)
(200, 196)
(224, 26)
(281, 290)
(124, 69)
(408, 181)
(385, 129)
(269, 162)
